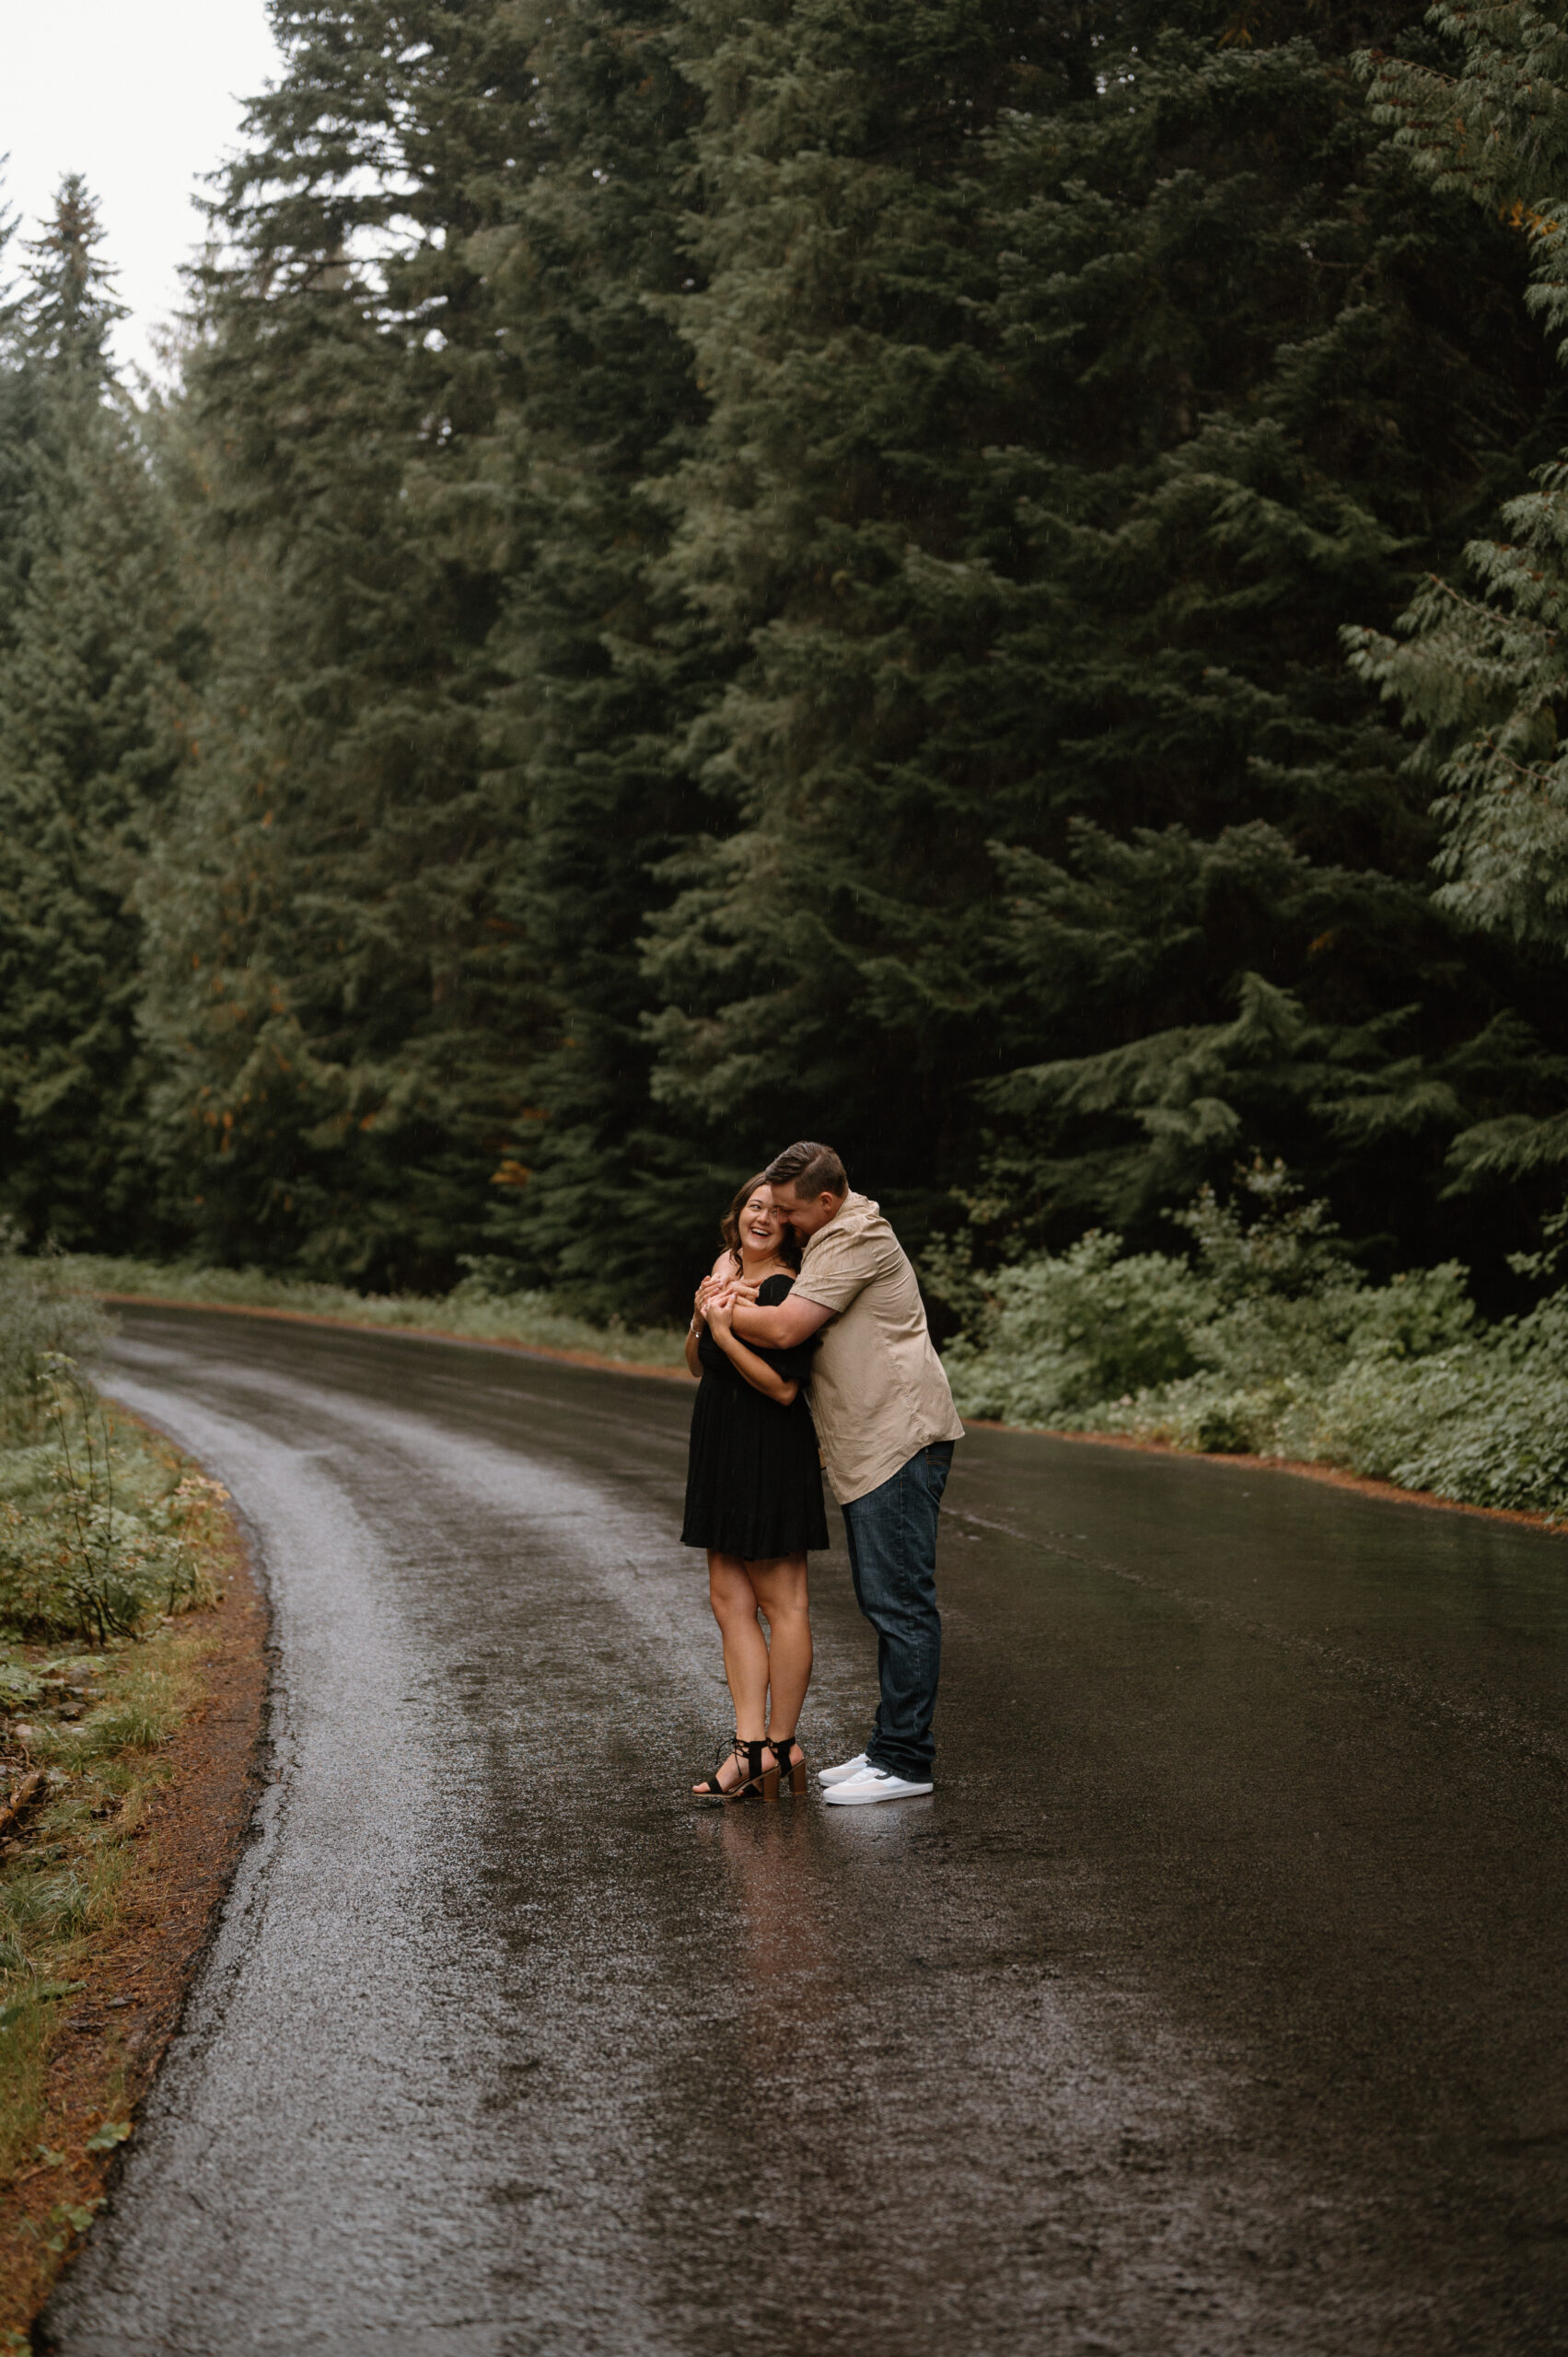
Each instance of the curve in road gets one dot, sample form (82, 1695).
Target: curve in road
(1214, 2003)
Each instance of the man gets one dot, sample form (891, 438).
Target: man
(886, 1423)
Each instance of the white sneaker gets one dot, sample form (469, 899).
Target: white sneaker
(873, 1784)
(845, 1770)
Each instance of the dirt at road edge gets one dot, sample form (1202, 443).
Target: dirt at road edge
(106, 2042)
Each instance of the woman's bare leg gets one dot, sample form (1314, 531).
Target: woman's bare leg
(780, 1588)
(734, 1600)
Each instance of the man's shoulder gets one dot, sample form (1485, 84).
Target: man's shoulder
(858, 1237)
(845, 1231)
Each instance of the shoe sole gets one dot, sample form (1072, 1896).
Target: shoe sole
(840, 1798)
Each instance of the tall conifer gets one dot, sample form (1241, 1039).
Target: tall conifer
(1065, 386)
(824, 965)
(1271, 407)
(607, 1193)
(783, 571)
(1481, 670)
(343, 1008)
(98, 645)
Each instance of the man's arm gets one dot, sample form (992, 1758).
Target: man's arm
(779, 1328)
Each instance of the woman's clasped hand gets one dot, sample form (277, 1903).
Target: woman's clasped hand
(720, 1294)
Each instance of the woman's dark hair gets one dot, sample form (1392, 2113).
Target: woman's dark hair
(788, 1246)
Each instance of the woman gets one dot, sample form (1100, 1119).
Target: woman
(754, 1501)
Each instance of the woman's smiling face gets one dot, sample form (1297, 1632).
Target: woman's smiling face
(761, 1224)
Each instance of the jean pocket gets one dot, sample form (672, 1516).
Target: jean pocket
(937, 1469)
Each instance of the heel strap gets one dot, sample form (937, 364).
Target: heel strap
(747, 1758)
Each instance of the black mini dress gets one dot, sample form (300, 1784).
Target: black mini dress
(754, 1480)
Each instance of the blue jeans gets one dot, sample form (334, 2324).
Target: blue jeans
(892, 1554)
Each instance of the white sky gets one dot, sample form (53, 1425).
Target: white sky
(141, 97)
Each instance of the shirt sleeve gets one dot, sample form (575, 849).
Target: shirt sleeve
(840, 1267)
(792, 1365)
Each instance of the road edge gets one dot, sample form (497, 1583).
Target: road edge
(400, 1333)
(202, 1824)
(1334, 1476)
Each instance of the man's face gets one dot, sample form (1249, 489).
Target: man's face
(805, 1217)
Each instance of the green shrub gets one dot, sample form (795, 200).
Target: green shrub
(42, 1322)
(1419, 1312)
(1262, 1244)
(1066, 1329)
(1485, 1421)
(96, 1524)
(1270, 1342)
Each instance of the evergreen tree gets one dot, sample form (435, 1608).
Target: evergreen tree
(96, 644)
(823, 966)
(783, 572)
(1066, 398)
(607, 661)
(1272, 410)
(1483, 675)
(343, 1007)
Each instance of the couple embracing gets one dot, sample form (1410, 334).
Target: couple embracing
(810, 1331)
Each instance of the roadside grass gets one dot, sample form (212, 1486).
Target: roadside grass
(531, 1319)
(114, 1552)
(75, 1864)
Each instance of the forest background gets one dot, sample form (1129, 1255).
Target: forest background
(979, 581)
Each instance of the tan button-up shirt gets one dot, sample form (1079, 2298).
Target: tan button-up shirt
(878, 1392)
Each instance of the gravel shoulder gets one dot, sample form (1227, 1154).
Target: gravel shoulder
(149, 1856)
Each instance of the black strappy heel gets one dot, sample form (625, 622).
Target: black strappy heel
(755, 1782)
(792, 1777)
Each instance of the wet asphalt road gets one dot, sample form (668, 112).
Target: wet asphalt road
(1215, 2004)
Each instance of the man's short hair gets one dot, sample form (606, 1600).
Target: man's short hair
(810, 1169)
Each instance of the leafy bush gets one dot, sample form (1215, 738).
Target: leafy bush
(1066, 1331)
(42, 1322)
(1486, 1420)
(1268, 1341)
(96, 1525)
